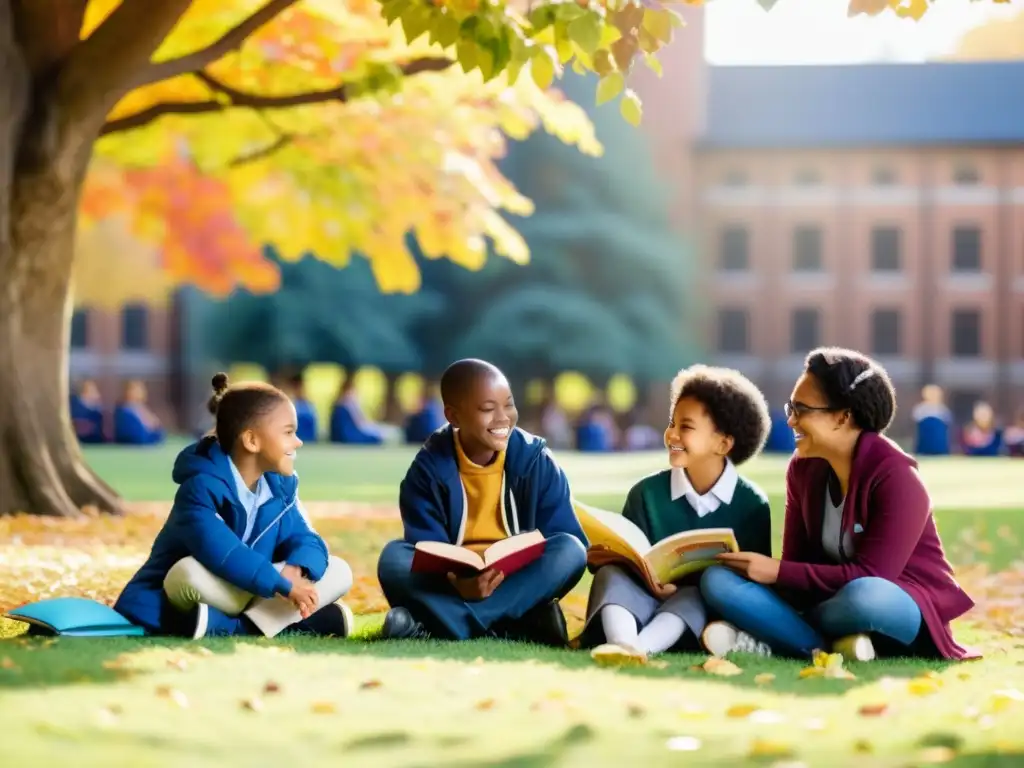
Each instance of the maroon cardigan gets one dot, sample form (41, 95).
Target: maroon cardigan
(898, 539)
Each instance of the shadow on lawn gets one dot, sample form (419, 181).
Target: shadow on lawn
(36, 662)
(677, 666)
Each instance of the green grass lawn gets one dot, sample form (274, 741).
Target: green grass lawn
(367, 702)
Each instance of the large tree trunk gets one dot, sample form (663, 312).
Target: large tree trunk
(41, 467)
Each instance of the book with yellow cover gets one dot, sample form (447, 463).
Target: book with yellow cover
(614, 539)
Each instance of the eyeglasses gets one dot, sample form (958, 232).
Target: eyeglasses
(799, 409)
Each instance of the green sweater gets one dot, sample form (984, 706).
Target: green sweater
(650, 507)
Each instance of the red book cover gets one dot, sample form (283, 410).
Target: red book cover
(507, 556)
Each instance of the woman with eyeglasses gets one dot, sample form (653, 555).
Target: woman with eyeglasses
(863, 570)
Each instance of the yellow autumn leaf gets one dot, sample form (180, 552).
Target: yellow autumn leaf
(721, 667)
(741, 710)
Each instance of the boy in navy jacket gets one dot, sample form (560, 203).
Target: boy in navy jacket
(474, 482)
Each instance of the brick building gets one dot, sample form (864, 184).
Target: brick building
(879, 207)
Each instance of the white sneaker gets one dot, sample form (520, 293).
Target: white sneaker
(614, 655)
(349, 618)
(721, 638)
(202, 620)
(855, 648)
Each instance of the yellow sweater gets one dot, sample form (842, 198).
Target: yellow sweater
(483, 500)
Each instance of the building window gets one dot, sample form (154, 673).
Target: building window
(135, 327)
(807, 249)
(885, 249)
(734, 249)
(966, 249)
(734, 331)
(807, 177)
(80, 329)
(885, 332)
(965, 174)
(965, 333)
(805, 333)
(734, 177)
(883, 176)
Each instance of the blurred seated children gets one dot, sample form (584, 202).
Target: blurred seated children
(309, 421)
(349, 425)
(427, 420)
(934, 422)
(981, 437)
(134, 422)
(1014, 436)
(87, 413)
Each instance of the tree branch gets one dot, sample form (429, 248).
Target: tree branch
(47, 30)
(280, 142)
(237, 98)
(99, 70)
(228, 42)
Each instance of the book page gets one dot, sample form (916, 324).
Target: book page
(500, 549)
(612, 531)
(688, 552)
(452, 552)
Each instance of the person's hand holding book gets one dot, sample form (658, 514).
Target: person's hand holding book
(755, 566)
(478, 586)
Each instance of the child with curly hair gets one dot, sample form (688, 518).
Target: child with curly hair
(718, 420)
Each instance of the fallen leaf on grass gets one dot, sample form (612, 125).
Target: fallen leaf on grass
(8, 663)
(1004, 699)
(721, 667)
(485, 705)
(368, 685)
(827, 665)
(254, 704)
(105, 717)
(924, 686)
(770, 748)
(741, 710)
(179, 698)
(764, 678)
(683, 744)
(873, 710)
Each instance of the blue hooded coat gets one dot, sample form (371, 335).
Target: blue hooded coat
(207, 522)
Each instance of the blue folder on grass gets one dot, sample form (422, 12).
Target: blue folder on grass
(73, 617)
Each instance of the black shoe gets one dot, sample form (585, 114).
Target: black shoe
(544, 625)
(334, 620)
(400, 625)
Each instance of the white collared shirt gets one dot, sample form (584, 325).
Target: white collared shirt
(251, 500)
(721, 492)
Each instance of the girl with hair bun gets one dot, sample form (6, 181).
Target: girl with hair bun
(237, 547)
(862, 570)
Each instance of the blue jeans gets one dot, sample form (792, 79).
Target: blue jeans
(433, 601)
(865, 605)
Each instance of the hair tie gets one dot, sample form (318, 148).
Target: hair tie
(864, 375)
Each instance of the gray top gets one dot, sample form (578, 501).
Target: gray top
(831, 528)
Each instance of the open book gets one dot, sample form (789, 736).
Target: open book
(614, 539)
(507, 555)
